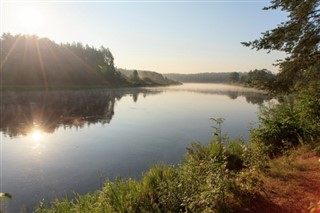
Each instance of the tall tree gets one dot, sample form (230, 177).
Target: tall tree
(135, 75)
(299, 38)
(108, 63)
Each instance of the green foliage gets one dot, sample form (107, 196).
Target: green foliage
(284, 166)
(4, 195)
(217, 129)
(282, 126)
(308, 107)
(234, 77)
(210, 179)
(262, 79)
(234, 154)
(278, 125)
(299, 38)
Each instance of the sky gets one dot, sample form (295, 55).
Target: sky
(162, 36)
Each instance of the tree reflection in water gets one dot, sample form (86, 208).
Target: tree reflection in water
(23, 112)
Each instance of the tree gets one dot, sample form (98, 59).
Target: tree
(108, 63)
(299, 38)
(234, 77)
(135, 75)
(262, 79)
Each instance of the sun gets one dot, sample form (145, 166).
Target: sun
(31, 19)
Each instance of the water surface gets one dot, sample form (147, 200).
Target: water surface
(57, 142)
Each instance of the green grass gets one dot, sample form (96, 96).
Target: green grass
(202, 183)
(284, 166)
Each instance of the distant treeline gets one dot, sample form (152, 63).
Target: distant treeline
(222, 77)
(27, 60)
(261, 79)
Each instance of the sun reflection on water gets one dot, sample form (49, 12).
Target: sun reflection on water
(36, 135)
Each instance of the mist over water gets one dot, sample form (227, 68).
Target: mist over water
(57, 142)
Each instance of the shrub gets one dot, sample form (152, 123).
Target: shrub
(282, 126)
(234, 154)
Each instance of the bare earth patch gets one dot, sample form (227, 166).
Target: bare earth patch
(293, 187)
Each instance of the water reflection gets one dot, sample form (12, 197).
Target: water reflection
(252, 96)
(24, 113)
(149, 126)
(21, 112)
(36, 135)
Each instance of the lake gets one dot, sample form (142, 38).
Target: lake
(53, 143)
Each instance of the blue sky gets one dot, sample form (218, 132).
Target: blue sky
(181, 37)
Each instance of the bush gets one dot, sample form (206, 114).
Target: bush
(288, 124)
(234, 154)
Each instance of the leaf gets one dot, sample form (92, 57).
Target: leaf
(5, 195)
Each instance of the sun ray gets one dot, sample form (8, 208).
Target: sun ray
(87, 66)
(44, 77)
(10, 50)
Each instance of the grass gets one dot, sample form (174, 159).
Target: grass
(223, 176)
(212, 178)
(208, 180)
(292, 162)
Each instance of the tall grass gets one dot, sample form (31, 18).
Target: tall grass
(210, 179)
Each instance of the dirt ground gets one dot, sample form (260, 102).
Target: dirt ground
(297, 191)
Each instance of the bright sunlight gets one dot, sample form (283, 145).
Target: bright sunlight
(31, 19)
(36, 135)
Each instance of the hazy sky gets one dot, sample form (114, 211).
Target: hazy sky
(163, 36)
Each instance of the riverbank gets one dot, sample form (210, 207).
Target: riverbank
(5, 88)
(289, 183)
(209, 177)
(270, 173)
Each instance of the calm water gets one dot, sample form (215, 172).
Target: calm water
(63, 141)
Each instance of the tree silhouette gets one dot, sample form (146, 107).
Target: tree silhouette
(30, 60)
(135, 75)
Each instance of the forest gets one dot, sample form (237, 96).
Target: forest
(30, 61)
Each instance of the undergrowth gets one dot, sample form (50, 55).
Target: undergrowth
(211, 178)
(214, 177)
